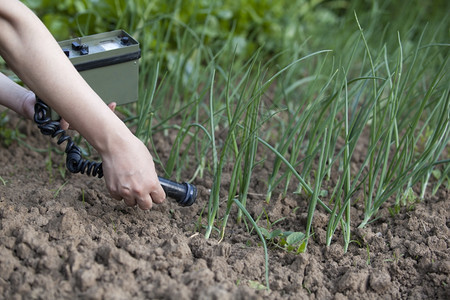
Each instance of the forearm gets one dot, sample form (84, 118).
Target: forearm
(33, 54)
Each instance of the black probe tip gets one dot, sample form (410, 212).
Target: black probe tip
(184, 193)
(191, 195)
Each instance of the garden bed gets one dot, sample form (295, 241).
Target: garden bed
(66, 238)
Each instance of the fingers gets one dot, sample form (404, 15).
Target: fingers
(112, 106)
(144, 201)
(158, 196)
(130, 173)
(64, 124)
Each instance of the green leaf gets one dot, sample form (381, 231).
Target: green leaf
(295, 237)
(256, 285)
(265, 232)
(437, 174)
(275, 233)
(302, 247)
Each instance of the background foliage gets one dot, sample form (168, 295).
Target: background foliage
(275, 25)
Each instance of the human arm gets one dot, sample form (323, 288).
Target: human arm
(22, 100)
(33, 54)
(16, 97)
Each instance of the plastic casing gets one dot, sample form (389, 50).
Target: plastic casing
(111, 67)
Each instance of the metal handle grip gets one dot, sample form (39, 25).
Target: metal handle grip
(184, 193)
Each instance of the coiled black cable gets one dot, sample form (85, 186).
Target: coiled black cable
(74, 161)
(184, 193)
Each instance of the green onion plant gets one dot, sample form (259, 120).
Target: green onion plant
(342, 102)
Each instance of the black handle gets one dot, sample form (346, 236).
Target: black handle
(184, 193)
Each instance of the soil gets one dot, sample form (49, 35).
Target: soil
(65, 238)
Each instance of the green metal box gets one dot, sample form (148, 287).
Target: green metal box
(109, 62)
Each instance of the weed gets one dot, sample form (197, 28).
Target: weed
(368, 254)
(59, 189)
(256, 285)
(395, 257)
(83, 200)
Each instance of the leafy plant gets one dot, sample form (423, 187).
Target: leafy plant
(287, 240)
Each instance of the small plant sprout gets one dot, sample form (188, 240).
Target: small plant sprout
(82, 197)
(59, 189)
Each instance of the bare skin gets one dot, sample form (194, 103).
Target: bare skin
(34, 55)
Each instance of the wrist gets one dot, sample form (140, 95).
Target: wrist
(114, 139)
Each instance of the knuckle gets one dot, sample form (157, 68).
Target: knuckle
(126, 192)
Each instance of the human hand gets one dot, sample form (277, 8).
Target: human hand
(128, 169)
(130, 174)
(27, 109)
